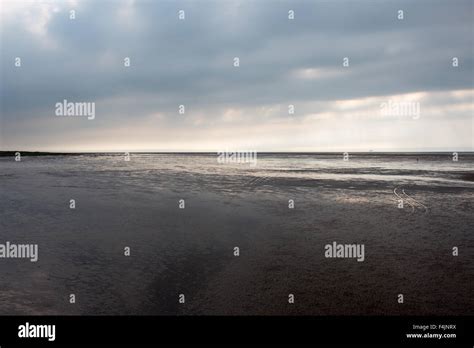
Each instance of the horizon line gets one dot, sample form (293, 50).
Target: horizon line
(214, 152)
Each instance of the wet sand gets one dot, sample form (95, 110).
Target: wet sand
(190, 251)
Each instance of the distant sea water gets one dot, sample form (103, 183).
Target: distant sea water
(136, 204)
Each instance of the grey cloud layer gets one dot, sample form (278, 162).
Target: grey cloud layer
(190, 62)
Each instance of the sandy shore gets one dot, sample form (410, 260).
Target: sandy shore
(190, 251)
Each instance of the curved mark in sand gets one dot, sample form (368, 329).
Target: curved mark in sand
(415, 201)
(396, 194)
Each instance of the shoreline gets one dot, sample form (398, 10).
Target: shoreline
(263, 153)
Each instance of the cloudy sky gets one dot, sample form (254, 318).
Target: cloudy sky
(399, 92)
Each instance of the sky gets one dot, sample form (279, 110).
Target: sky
(408, 84)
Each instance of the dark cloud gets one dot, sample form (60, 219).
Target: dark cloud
(190, 62)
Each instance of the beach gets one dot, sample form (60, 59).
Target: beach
(191, 251)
